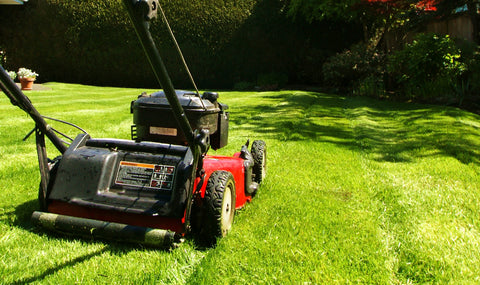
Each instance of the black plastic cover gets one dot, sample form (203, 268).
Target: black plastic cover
(121, 175)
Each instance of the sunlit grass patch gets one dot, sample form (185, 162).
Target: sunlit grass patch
(357, 191)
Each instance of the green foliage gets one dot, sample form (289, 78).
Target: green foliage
(272, 80)
(432, 68)
(371, 86)
(319, 10)
(224, 41)
(358, 66)
(429, 59)
(244, 86)
(375, 17)
(470, 79)
(473, 74)
(94, 42)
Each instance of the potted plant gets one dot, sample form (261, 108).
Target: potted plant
(26, 77)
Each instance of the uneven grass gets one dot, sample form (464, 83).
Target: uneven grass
(357, 191)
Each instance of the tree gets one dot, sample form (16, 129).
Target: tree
(322, 9)
(376, 16)
(352, 10)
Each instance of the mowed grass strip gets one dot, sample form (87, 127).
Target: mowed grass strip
(357, 191)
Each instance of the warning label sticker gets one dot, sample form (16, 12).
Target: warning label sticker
(159, 177)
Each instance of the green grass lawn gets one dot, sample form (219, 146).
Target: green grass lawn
(357, 191)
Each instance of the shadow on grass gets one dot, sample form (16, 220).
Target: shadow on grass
(59, 267)
(296, 117)
(396, 132)
(22, 219)
(392, 132)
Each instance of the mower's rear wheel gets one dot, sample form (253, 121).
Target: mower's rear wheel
(259, 153)
(220, 198)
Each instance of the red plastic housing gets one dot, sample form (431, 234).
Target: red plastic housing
(233, 165)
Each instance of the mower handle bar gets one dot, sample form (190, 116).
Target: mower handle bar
(141, 12)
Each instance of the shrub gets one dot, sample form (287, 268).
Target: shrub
(473, 74)
(223, 42)
(371, 86)
(356, 67)
(470, 83)
(272, 80)
(426, 67)
(244, 86)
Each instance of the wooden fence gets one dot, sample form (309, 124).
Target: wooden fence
(460, 27)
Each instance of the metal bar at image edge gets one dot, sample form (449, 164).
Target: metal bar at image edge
(105, 230)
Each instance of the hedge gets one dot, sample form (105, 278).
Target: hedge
(224, 42)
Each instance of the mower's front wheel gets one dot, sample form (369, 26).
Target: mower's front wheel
(220, 198)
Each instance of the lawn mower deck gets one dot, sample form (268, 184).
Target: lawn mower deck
(146, 185)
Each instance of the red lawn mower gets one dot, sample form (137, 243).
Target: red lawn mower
(157, 187)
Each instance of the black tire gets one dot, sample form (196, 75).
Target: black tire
(220, 198)
(259, 153)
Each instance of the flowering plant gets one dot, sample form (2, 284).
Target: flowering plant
(12, 74)
(26, 73)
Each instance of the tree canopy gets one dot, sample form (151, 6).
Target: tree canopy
(354, 9)
(319, 10)
(377, 16)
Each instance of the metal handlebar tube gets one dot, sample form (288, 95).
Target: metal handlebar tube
(19, 99)
(141, 12)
